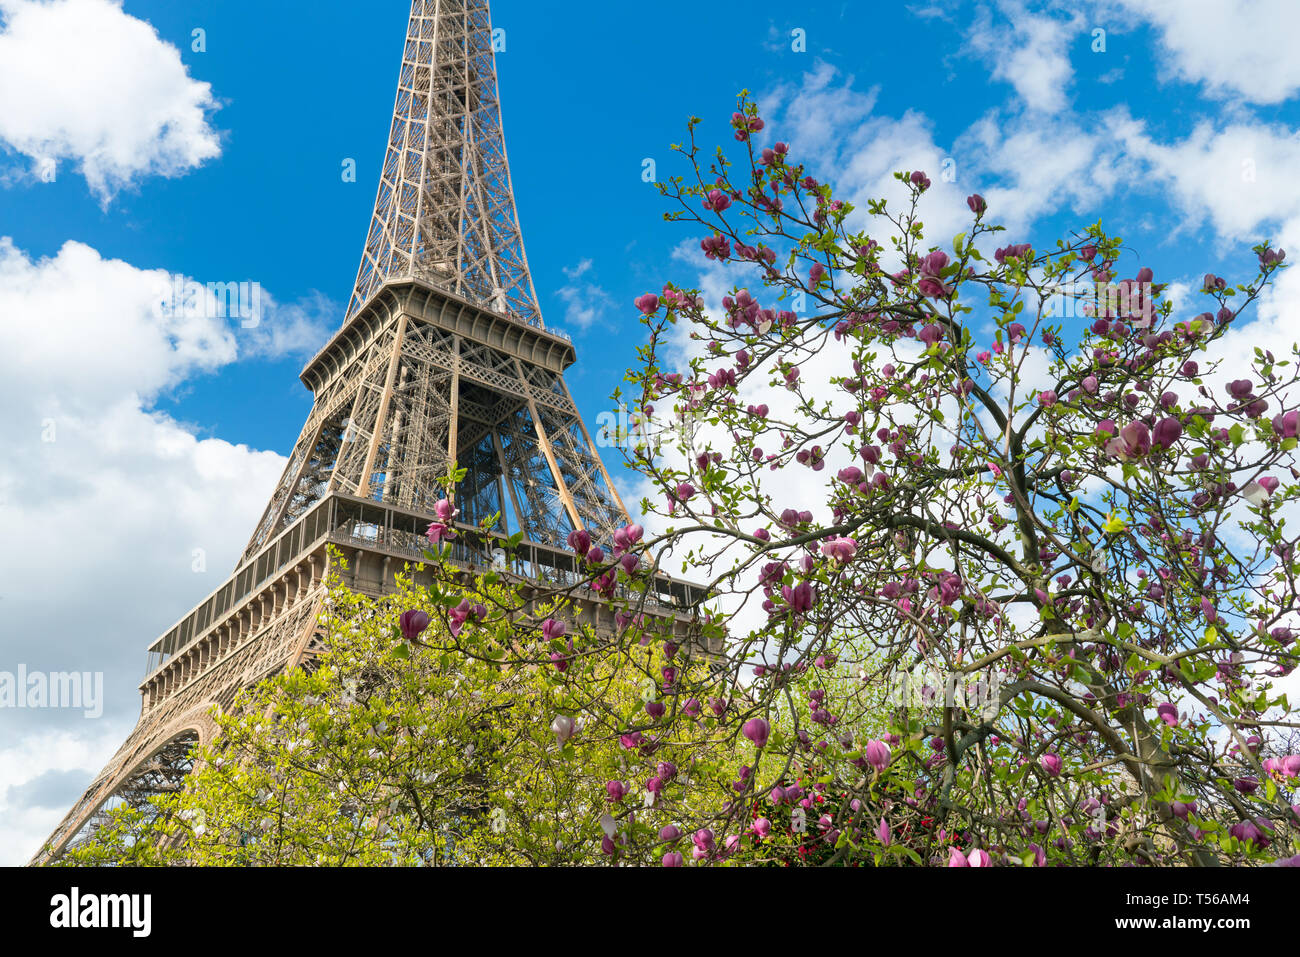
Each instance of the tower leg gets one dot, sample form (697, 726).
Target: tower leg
(156, 755)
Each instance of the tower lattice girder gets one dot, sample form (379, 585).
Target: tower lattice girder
(442, 360)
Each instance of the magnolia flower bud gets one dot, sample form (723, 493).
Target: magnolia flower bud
(1167, 432)
(877, 754)
(1168, 713)
(580, 541)
(413, 623)
(562, 726)
(757, 730)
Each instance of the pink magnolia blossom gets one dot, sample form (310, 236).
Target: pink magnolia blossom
(413, 623)
(757, 730)
(562, 727)
(840, 550)
(1133, 442)
(877, 754)
(717, 200)
(580, 542)
(626, 538)
(1167, 432)
(441, 529)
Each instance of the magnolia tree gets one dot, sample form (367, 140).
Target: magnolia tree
(1041, 510)
(995, 571)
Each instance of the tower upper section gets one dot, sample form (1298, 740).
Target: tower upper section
(445, 210)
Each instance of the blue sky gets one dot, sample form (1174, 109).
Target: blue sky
(1176, 126)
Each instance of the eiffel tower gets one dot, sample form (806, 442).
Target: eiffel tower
(442, 359)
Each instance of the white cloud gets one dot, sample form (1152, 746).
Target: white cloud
(1025, 165)
(1236, 175)
(584, 301)
(833, 129)
(573, 272)
(290, 329)
(817, 113)
(1030, 52)
(43, 774)
(1034, 167)
(88, 324)
(933, 11)
(1240, 176)
(1237, 48)
(787, 487)
(81, 80)
(104, 500)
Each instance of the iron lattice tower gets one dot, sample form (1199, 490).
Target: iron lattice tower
(442, 358)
